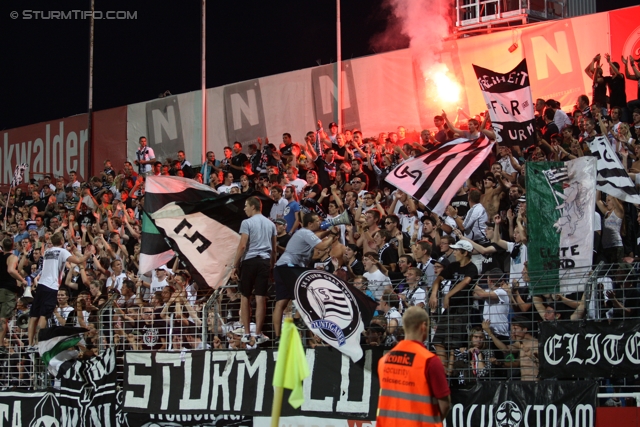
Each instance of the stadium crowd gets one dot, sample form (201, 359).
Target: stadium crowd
(468, 267)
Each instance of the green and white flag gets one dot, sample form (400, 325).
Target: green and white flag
(560, 222)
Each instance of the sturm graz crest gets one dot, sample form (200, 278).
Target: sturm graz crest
(508, 414)
(327, 306)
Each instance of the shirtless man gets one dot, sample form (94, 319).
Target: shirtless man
(493, 193)
(523, 342)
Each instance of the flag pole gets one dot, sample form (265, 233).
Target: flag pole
(278, 392)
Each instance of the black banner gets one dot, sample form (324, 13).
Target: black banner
(589, 349)
(239, 383)
(508, 99)
(513, 404)
(87, 396)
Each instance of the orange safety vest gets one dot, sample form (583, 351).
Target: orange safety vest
(405, 399)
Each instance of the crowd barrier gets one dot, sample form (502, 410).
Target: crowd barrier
(593, 336)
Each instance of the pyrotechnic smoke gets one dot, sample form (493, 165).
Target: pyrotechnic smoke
(426, 23)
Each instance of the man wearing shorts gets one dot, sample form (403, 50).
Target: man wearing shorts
(257, 251)
(46, 296)
(298, 253)
(10, 283)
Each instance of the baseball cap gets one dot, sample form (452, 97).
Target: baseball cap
(462, 244)
(280, 221)
(332, 124)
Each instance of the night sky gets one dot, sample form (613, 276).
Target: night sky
(44, 63)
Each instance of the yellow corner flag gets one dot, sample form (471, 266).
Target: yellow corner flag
(291, 366)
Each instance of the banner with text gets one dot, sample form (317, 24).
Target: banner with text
(561, 198)
(590, 349)
(239, 383)
(508, 99)
(543, 403)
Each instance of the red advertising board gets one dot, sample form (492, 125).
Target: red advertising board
(57, 147)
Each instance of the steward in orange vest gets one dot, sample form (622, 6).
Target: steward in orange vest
(413, 386)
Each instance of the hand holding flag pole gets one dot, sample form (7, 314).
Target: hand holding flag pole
(291, 370)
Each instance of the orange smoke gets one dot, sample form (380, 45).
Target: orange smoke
(442, 88)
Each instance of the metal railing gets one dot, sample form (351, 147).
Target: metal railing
(213, 321)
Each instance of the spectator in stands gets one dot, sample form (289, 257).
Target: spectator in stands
(614, 227)
(298, 253)
(496, 302)
(523, 343)
(451, 331)
(377, 278)
(145, 157)
(257, 252)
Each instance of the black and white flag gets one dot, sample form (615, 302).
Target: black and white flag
(612, 178)
(332, 309)
(205, 233)
(436, 175)
(159, 191)
(511, 108)
(18, 174)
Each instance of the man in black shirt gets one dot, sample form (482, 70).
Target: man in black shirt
(452, 324)
(237, 161)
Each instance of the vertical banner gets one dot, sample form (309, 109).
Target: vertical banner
(164, 127)
(508, 99)
(244, 112)
(325, 91)
(561, 198)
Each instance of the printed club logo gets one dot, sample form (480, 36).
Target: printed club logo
(327, 306)
(508, 414)
(632, 44)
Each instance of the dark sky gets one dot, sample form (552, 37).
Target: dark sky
(44, 62)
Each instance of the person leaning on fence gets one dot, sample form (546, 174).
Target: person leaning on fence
(413, 385)
(11, 283)
(298, 253)
(523, 343)
(452, 325)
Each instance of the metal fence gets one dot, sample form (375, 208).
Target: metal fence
(211, 320)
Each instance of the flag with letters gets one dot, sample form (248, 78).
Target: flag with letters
(332, 309)
(204, 233)
(561, 199)
(436, 175)
(511, 108)
(159, 191)
(612, 178)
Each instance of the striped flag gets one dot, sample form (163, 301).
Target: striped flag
(556, 175)
(205, 233)
(612, 178)
(160, 191)
(435, 176)
(18, 174)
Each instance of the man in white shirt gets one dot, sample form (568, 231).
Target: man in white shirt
(414, 296)
(278, 208)
(159, 280)
(117, 276)
(46, 297)
(378, 281)
(145, 157)
(496, 302)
